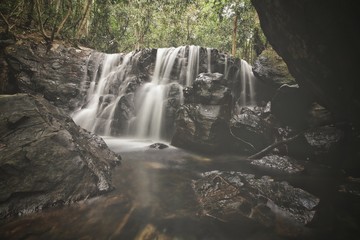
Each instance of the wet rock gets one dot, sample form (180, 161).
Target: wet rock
(158, 146)
(281, 163)
(325, 141)
(201, 127)
(270, 68)
(202, 122)
(351, 186)
(123, 113)
(56, 74)
(227, 194)
(46, 159)
(252, 129)
(173, 102)
(210, 89)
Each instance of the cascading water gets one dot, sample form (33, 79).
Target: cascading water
(101, 99)
(153, 96)
(247, 78)
(119, 98)
(209, 60)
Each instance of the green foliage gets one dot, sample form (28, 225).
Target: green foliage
(124, 25)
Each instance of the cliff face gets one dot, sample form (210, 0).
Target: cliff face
(319, 42)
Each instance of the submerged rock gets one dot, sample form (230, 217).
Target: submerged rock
(158, 146)
(227, 194)
(46, 159)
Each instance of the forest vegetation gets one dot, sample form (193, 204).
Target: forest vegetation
(124, 25)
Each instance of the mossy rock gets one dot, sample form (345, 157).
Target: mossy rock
(271, 69)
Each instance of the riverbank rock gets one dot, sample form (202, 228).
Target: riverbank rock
(202, 122)
(226, 195)
(56, 74)
(46, 159)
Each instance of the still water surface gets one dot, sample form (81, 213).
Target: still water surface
(153, 199)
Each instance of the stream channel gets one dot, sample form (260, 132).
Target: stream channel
(154, 199)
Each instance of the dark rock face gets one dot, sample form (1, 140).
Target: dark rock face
(209, 89)
(227, 194)
(270, 68)
(325, 142)
(202, 122)
(255, 132)
(56, 74)
(46, 159)
(321, 50)
(291, 106)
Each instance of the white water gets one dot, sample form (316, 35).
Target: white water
(209, 60)
(174, 67)
(247, 78)
(153, 96)
(101, 100)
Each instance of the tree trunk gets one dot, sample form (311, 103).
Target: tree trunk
(83, 20)
(42, 30)
(7, 27)
(233, 52)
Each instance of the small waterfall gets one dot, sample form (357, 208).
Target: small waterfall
(124, 100)
(193, 64)
(153, 96)
(97, 113)
(208, 59)
(247, 78)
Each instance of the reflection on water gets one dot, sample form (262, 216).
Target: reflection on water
(153, 199)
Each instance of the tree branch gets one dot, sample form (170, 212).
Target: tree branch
(42, 30)
(241, 140)
(274, 145)
(7, 27)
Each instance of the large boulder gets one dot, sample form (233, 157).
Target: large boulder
(226, 195)
(251, 129)
(55, 73)
(46, 159)
(202, 122)
(321, 50)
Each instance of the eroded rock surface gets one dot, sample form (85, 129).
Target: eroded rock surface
(227, 194)
(281, 163)
(202, 122)
(46, 159)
